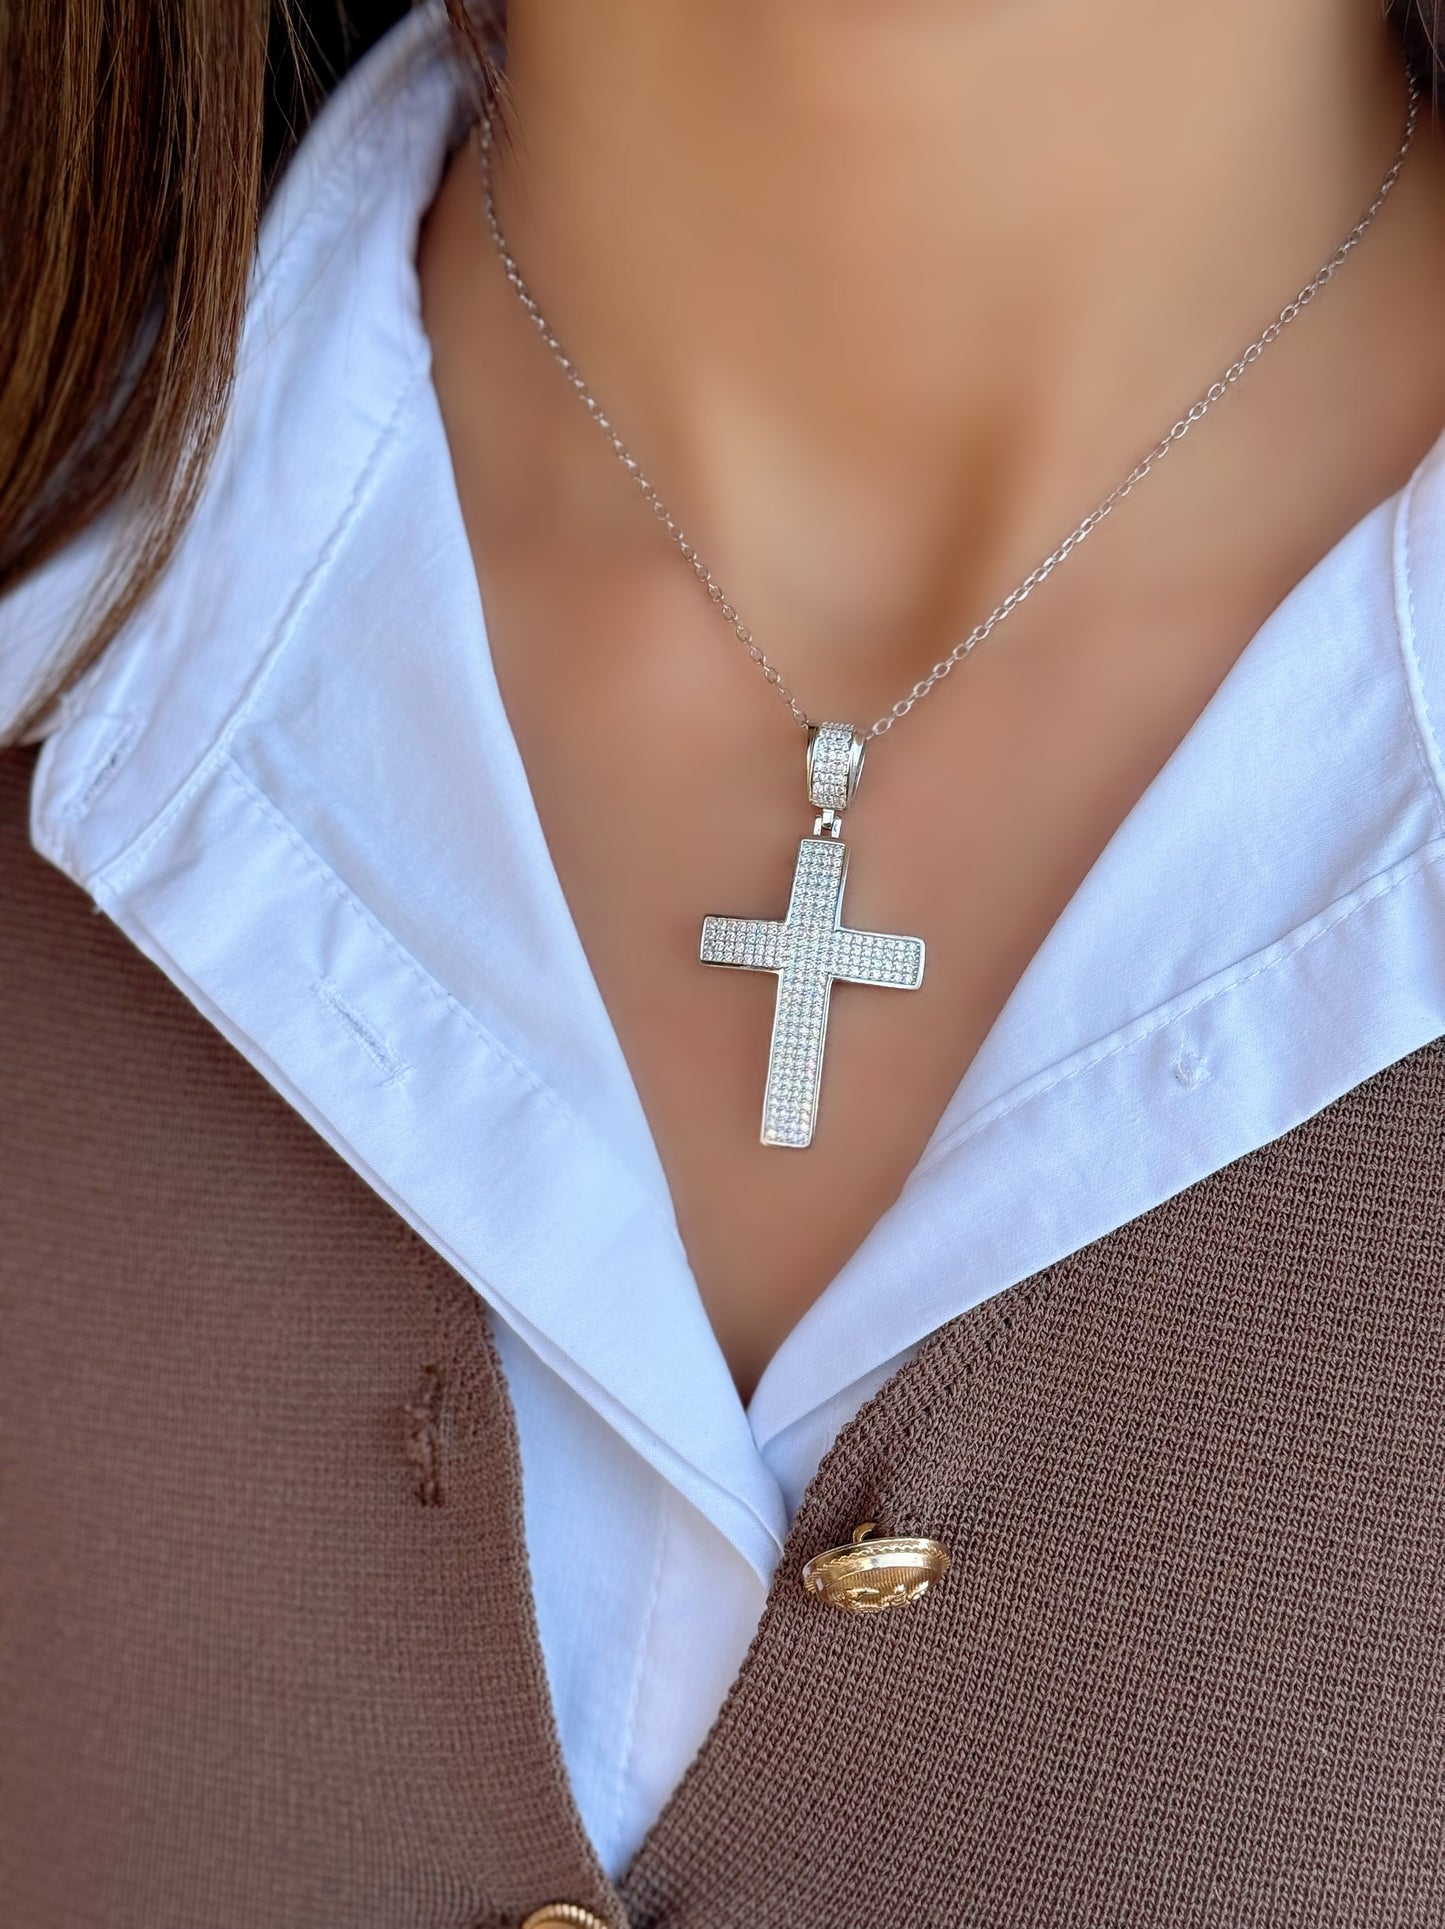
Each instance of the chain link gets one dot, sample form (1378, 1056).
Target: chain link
(1216, 392)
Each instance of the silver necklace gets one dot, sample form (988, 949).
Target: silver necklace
(811, 949)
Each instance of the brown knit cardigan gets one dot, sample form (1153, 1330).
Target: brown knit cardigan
(269, 1655)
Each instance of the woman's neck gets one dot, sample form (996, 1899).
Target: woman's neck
(846, 271)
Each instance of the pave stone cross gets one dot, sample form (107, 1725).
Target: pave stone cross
(811, 949)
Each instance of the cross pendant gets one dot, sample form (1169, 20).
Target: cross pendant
(810, 950)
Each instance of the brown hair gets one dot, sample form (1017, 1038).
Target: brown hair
(141, 136)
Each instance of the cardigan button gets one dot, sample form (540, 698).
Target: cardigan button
(563, 1915)
(868, 1576)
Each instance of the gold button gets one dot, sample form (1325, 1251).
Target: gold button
(867, 1576)
(563, 1915)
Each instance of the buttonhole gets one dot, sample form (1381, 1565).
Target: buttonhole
(116, 735)
(423, 1417)
(392, 1066)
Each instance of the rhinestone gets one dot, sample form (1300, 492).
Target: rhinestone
(809, 950)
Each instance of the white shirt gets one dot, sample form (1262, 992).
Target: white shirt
(292, 782)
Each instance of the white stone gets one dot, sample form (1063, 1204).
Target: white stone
(810, 950)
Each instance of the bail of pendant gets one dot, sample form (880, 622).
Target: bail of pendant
(835, 763)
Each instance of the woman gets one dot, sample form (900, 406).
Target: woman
(457, 1463)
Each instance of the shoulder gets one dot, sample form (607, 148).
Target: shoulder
(330, 341)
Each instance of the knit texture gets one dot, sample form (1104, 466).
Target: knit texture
(269, 1655)
(1189, 1665)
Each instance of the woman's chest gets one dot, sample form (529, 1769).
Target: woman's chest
(672, 791)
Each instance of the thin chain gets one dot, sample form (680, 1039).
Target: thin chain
(1216, 392)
